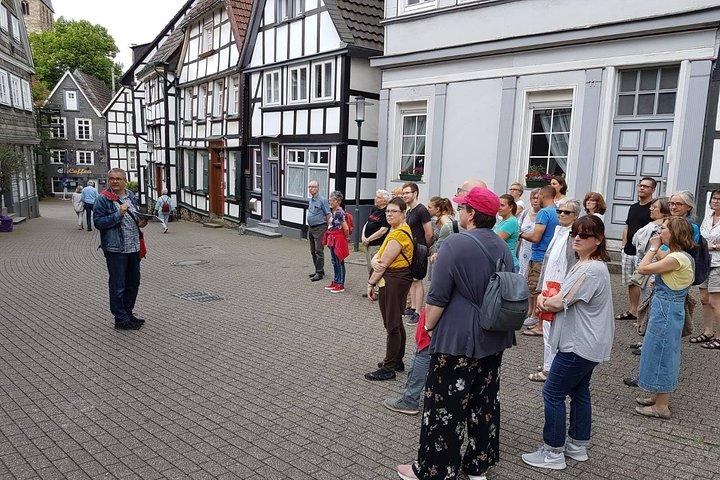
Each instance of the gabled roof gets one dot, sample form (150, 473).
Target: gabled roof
(93, 90)
(121, 91)
(163, 54)
(48, 3)
(358, 22)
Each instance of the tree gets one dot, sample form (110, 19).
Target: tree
(12, 163)
(74, 44)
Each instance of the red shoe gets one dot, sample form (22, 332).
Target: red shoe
(331, 286)
(338, 288)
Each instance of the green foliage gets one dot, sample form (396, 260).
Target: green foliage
(41, 181)
(132, 186)
(74, 44)
(39, 91)
(12, 163)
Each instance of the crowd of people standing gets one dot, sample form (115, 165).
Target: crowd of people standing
(557, 242)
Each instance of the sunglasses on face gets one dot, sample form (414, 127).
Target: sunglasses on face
(583, 236)
(564, 212)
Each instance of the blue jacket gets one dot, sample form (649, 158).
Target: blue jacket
(89, 194)
(108, 220)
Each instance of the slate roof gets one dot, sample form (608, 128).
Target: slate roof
(96, 91)
(48, 3)
(200, 8)
(358, 22)
(165, 51)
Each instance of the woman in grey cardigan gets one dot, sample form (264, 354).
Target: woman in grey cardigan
(559, 259)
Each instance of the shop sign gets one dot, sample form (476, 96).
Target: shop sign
(79, 171)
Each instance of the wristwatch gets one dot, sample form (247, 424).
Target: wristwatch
(427, 329)
(652, 249)
(371, 284)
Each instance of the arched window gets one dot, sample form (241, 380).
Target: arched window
(25, 8)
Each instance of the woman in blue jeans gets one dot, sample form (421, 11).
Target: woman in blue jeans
(582, 335)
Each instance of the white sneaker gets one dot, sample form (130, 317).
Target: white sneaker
(530, 321)
(574, 451)
(545, 457)
(478, 477)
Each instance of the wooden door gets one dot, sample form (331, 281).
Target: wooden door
(217, 184)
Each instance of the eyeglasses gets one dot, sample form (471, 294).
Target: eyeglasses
(409, 192)
(564, 212)
(461, 208)
(715, 199)
(313, 186)
(583, 236)
(514, 189)
(392, 211)
(645, 186)
(677, 204)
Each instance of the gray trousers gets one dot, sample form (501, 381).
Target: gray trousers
(317, 250)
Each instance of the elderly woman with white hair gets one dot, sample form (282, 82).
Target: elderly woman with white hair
(682, 204)
(376, 228)
(559, 259)
(164, 208)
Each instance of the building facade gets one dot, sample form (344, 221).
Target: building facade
(38, 15)
(77, 142)
(121, 142)
(18, 132)
(304, 63)
(603, 97)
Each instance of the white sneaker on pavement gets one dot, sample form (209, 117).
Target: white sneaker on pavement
(546, 457)
(478, 477)
(575, 451)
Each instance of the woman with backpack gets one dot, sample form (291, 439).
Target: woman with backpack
(390, 283)
(464, 376)
(164, 208)
(674, 274)
(581, 335)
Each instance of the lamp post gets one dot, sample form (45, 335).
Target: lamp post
(359, 119)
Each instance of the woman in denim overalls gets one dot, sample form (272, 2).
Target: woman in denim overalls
(660, 359)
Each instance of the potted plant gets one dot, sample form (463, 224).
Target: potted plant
(536, 177)
(412, 174)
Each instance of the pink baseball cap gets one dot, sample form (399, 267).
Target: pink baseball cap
(480, 199)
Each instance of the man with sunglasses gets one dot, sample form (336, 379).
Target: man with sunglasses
(545, 223)
(638, 216)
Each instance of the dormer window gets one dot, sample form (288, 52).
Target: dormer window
(71, 100)
(287, 9)
(410, 6)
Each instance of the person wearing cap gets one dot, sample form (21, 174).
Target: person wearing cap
(463, 380)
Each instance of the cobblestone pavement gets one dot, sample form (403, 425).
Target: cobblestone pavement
(266, 382)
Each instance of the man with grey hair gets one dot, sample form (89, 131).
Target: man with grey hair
(89, 195)
(376, 228)
(164, 208)
(118, 218)
(318, 215)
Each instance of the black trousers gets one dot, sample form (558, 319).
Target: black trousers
(459, 391)
(88, 214)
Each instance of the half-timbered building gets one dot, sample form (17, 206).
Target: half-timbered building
(121, 141)
(305, 62)
(211, 107)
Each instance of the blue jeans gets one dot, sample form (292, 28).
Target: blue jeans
(569, 375)
(123, 283)
(416, 378)
(338, 268)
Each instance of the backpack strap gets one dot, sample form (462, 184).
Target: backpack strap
(455, 227)
(413, 244)
(499, 264)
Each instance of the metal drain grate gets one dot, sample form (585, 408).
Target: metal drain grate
(198, 297)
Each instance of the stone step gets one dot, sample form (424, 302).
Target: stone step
(212, 225)
(262, 232)
(268, 226)
(17, 220)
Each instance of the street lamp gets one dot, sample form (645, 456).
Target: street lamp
(360, 104)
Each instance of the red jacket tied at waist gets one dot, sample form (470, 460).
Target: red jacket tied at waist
(336, 239)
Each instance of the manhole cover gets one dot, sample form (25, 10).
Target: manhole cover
(198, 297)
(189, 263)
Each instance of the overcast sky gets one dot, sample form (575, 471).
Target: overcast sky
(128, 21)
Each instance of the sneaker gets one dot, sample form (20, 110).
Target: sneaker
(636, 351)
(575, 451)
(396, 405)
(165, 230)
(413, 320)
(127, 325)
(405, 472)
(400, 367)
(545, 457)
(530, 321)
(331, 286)
(408, 311)
(478, 477)
(380, 375)
(338, 288)
(630, 381)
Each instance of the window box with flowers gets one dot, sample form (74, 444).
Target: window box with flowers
(536, 177)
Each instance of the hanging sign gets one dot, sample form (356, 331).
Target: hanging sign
(79, 171)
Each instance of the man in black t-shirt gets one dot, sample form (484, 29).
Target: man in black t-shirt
(418, 219)
(638, 216)
(376, 228)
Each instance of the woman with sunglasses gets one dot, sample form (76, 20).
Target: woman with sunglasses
(710, 289)
(581, 335)
(392, 278)
(559, 259)
(674, 273)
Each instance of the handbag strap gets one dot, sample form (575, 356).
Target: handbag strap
(499, 264)
(413, 244)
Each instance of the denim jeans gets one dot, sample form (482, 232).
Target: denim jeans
(569, 375)
(123, 283)
(338, 268)
(416, 378)
(88, 214)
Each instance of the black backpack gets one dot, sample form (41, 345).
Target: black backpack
(701, 256)
(419, 263)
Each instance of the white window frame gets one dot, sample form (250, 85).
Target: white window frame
(5, 88)
(4, 26)
(257, 170)
(233, 160)
(207, 35)
(418, 7)
(202, 101)
(55, 157)
(132, 159)
(322, 68)
(68, 94)
(218, 97)
(298, 93)
(307, 164)
(15, 28)
(27, 95)
(272, 79)
(291, 162)
(84, 160)
(234, 96)
(415, 110)
(16, 92)
(54, 123)
(78, 129)
(187, 106)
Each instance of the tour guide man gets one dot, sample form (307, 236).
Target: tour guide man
(117, 217)
(318, 215)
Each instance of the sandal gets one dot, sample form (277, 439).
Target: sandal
(625, 316)
(702, 338)
(652, 413)
(713, 345)
(538, 376)
(531, 333)
(645, 401)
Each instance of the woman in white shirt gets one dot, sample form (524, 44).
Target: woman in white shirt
(710, 290)
(78, 206)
